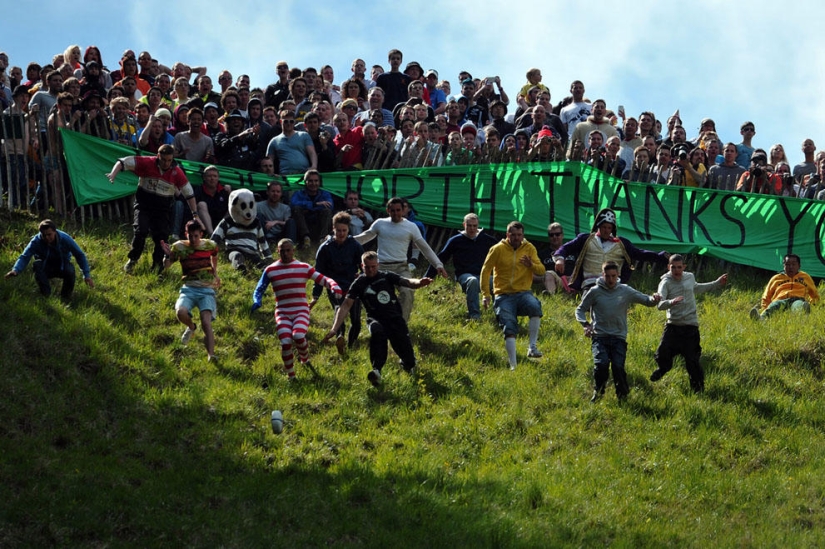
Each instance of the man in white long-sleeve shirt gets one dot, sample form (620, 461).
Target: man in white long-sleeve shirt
(394, 237)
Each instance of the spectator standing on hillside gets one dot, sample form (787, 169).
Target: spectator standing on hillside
(744, 149)
(724, 176)
(808, 166)
(394, 83)
(294, 150)
(577, 110)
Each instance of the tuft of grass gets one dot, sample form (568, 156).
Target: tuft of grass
(115, 434)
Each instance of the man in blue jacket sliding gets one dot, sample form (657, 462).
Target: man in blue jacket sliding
(52, 251)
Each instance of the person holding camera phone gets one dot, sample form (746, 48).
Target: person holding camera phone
(688, 169)
(758, 179)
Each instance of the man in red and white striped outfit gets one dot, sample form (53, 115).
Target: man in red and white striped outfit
(288, 278)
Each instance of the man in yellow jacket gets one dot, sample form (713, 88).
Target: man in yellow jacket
(791, 289)
(512, 264)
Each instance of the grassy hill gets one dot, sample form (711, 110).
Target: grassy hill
(113, 434)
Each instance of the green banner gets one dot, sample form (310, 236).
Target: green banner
(744, 228)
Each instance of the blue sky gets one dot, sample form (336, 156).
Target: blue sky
(730, 61)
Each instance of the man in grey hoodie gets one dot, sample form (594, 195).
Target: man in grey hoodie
(681, 335)
(608, 302)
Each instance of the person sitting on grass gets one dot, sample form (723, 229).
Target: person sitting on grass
(198, 258)
(791, 289)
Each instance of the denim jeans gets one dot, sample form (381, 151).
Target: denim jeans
(470, 286)
(609, 352)
(508, 307)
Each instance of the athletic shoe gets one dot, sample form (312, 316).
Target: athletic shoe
(374, 377)
(129, 268)
(656, 375)
(533, 352)
(410, 371)
(341, 344)
(212, 359)
(755, 313)
(307, 243)
(187, 335)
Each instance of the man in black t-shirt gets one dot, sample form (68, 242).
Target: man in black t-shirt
(376, 291)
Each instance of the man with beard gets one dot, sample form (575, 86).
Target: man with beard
(160, 180)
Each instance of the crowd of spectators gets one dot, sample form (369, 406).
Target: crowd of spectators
(403, 116)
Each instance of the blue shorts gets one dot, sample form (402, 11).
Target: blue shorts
(201, 298)
(508, 307)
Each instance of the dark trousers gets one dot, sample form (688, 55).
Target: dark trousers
(155, 221)
(43, 272)
(315, 224)
(395, 332)
(609, 352)
(682, 340)
(354, 317)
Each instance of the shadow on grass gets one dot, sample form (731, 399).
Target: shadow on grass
(87, 461)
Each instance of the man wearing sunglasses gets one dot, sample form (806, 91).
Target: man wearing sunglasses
(294, 150)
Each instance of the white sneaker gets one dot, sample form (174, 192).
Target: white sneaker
(130, 266)
(187, 335)
(374, 377)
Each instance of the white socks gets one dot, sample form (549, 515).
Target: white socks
(533, 330)
(510, 345)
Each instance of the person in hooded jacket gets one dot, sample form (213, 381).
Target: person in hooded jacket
(607, 303)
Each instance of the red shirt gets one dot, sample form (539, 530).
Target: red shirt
(354, 137)
(153, 181)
